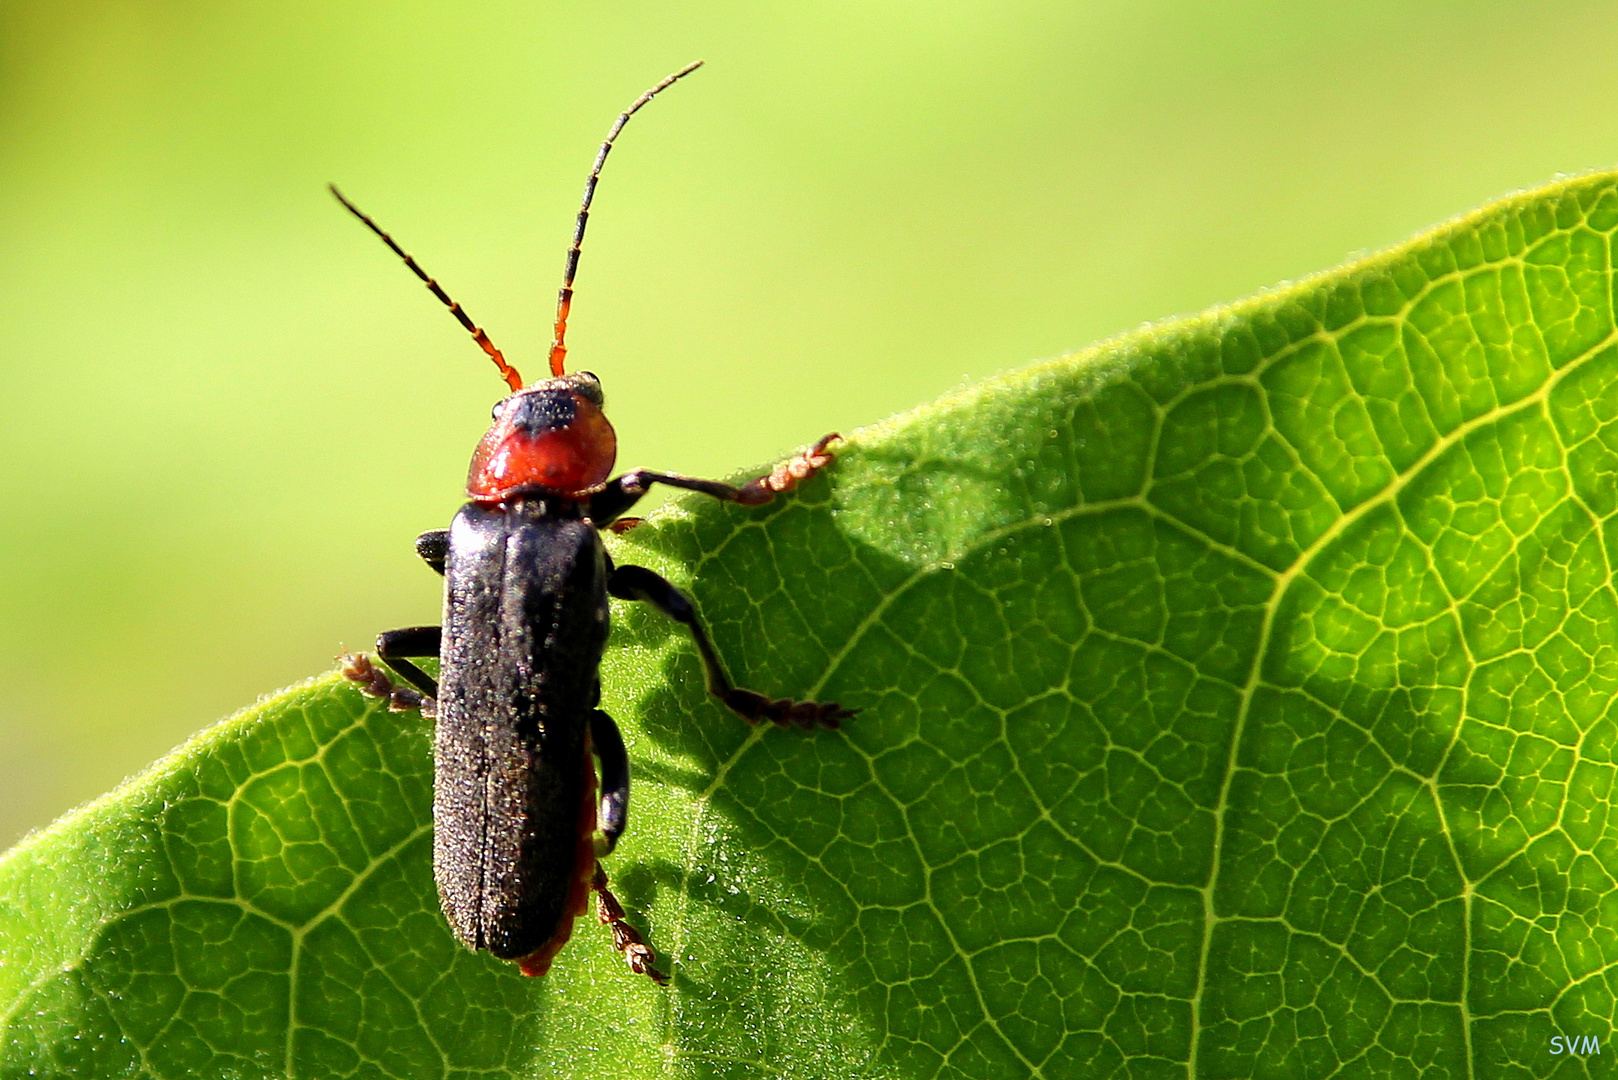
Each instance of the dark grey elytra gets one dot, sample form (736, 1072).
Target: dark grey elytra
(517, 798)
(525, 619)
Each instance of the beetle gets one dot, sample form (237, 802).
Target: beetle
(516, 806)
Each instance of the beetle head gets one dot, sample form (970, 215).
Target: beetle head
(551, 438)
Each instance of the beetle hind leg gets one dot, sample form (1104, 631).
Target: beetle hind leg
(625, 938)
(639, 583)
(608, 744)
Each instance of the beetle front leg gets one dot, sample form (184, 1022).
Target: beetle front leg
(393, 647)
(433, 548)
(619, 495)
(639, 583)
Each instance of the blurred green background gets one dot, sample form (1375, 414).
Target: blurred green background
(226, 411)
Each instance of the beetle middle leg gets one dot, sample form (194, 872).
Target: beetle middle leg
(639, 583)
(394, 647)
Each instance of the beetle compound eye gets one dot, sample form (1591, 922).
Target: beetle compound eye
(588, 386)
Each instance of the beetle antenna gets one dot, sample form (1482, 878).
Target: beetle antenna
(513, 379)
(564, 299)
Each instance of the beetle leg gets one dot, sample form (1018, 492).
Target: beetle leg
(609, 747)
(620, 494)
(374, 682)
(639, 583)
(789, 473)
(625, 938)
(393, 647)
(433, 547)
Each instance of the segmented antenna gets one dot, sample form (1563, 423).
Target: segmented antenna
(513, 379)
(564, 299)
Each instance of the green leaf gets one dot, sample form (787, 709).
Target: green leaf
(1237, 701)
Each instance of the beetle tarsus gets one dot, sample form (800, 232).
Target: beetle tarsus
(788, 474)
(623, 525)
(640, 956)
(374, 682)
(784, 712)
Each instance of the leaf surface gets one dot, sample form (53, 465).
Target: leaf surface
(1237, 701)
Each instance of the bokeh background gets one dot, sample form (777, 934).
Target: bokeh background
(226, 411)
